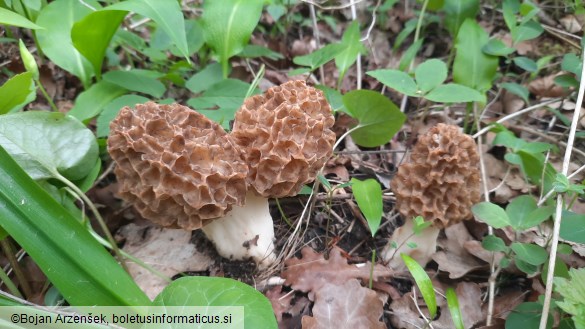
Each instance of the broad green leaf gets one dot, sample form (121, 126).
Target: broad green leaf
(91, 102)
(8, 17)
(205, 78)
(518, 210)
(216, 291)
(353, 46)
(530, 253)
(409, 54)
(397, 80)
(83, 271)
(47, 143)
(378, 118)
(55, 40)
(534, 167)
(573, 227)
(334, 98)
(143, 81)
(320, 56)
(528, 31)
(17, 92)
(491, 214)
(254, 51)
(167, 14)
(496, 47)
(276, 11)
(527, 315)
(472, 67)
(453, 304)
(517, 90)
(573, 64)
(535, 217)
(228, 25)
(220, 102)
(566, 81)
(454, 93)
(430, 74)
(111, 110)
(525, 63)
(493, 243)
(457, 11)
(524, 266)
(423, 282)
(92, 35)
(368, 195)
(508, 139)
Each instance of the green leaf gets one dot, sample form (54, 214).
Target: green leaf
(525, 63)
(423, 282)
(493, 243)
(368, 195)
(472, 67)
(17, 92)
(454, 93)
(319, 57)
(409, 54)
(379, 119)
(566, 81)
(205, 78)
(93, 33)
(457, 11)
(334, 98)
(397, 80)
(276, 11)
(111, 110)
(46, 143)
(573, 227)
(530, 253)
(524, 266)
(11, 18)
(28, 60)
(228, 25)
(353, 46)
(430, 74)
(142, 81)
(528, 31)
(573, 64)
(55, 40)
(216, 291)
(527, 315)
(496, 47)
(572, 289)
(518, 210)
(453, 304)
(536, 217)
(91, 102)
(517, 90)
(220, 102)
(167, 14)
(72, 259)
(533, 166)
(491, 214)
(254, 51)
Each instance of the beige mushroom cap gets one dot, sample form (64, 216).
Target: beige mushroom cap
(176, 166)
(442, 181)
(285, 136)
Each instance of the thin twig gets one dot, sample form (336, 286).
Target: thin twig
(358, 63)
(317, 38)
(559, 209)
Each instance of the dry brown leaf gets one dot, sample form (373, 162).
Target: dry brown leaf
(545, 87)
(347, 306)
(406, 316)
(454, 259)
(313, 271)
(469, 297)
(280, 301)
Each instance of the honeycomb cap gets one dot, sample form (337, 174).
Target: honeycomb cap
(442, 181)
(285, 136)
(176, 166)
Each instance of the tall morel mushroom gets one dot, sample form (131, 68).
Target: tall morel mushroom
(441, 183)
(180, 169)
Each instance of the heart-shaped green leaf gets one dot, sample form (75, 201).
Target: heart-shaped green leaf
(216, 291)
(47, 143)
(378, 118)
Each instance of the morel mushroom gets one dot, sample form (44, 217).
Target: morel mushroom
(285, 136)
(440, 183)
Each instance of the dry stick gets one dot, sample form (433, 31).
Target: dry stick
(317, 39)
(559, 210)
(358, 63)
(351, 3)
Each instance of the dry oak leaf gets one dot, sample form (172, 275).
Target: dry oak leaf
(311, 272)
(347, 306)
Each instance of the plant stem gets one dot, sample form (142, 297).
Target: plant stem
(372, 269)
(44, 92)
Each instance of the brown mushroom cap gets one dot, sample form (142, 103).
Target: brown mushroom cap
(441, 182)
(286, 137)
(177, 167)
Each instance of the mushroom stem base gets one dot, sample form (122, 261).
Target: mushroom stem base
(426, 245)
(245, 232)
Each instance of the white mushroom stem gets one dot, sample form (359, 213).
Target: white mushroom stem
(402, 241)
(245, 232)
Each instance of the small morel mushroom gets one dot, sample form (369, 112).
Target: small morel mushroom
(285, 137)
(441, 183)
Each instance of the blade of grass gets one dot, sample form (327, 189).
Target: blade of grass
(453, 304)
(423, 282)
